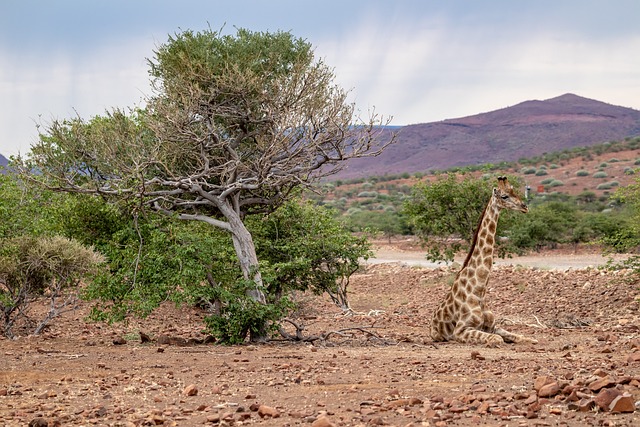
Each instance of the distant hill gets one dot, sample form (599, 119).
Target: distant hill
(3, 163)
(528, 129)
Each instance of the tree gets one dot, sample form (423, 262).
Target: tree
(234, 125)
(445, 213)
(307, 248)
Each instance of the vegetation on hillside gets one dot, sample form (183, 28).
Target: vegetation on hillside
(559, 214)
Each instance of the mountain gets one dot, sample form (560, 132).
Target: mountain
(3, 163)
(528, 129)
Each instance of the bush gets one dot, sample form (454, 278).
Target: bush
(32, 267)
(600, 174)
(528, 171)
(541, 172)
(582, 172)
(556, 183)
(604, 186)
(368, 194)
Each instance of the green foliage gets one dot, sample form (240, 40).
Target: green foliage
(445, 213)
(582, 172)
(627, 238)
(544, 225)
(32, 267)
(239, 314)
(304, 247)
(25, 209)
(600, 174)
(388, 222)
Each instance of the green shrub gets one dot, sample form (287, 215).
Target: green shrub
(604, 186)
(33, 267)
(582, 172)
(600, 174)
(368, 194)
(528, 171)
(546, 181)
(556, 183)
(541, 172)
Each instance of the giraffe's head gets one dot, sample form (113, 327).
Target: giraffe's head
(506, 197)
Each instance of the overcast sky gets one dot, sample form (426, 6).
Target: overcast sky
(416, 60)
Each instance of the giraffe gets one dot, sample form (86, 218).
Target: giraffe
(463, 315)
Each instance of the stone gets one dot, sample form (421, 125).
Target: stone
(38, 422)
(549, 390)
(623, 403)
(322, 421)
(268, 411)
(601, 383)
(540, 382)
(583, 405)
(633, 357)
(605, 397)
(119, 341)
(190, 390)
(144, 338)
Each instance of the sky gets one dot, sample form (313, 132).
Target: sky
(417, 61)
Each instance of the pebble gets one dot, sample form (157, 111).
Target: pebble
(190, 390)
(322, 421)
(267, 411)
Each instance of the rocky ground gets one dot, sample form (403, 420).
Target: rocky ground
(376, 366)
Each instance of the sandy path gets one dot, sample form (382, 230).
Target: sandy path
(549, 260)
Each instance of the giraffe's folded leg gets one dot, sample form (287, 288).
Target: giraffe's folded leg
(514, 338)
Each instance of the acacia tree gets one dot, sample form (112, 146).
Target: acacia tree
(233, 125)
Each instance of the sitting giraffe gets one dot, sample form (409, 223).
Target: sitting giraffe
(463, 315)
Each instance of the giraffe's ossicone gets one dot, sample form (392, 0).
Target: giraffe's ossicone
(463, 315)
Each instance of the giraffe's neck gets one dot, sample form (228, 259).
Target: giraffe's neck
(480, 257)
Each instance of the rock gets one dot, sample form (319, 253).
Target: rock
(583, 405)
(144, 338)
(623, 403)
(119, 341)
(322, 421)
(268, 411)
(38, 422)
(633, 357)
(540, 382)
(549, 390)
(190, 390)
(605, 397)
(475, 355)
(601, 383)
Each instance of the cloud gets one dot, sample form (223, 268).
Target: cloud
(433, 69)
(59, 85)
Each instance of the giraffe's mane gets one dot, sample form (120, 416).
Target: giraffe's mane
(474, 241)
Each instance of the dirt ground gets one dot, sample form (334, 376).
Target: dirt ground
(377, 366)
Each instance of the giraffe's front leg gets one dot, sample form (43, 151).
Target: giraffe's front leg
(514, 338)
(471, 331)
(510, 337)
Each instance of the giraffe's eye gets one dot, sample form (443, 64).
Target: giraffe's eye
(504, 197)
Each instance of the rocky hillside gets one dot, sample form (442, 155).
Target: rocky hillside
(3, 162)
(525, 130)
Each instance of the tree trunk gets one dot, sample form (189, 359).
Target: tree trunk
(248, 259)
